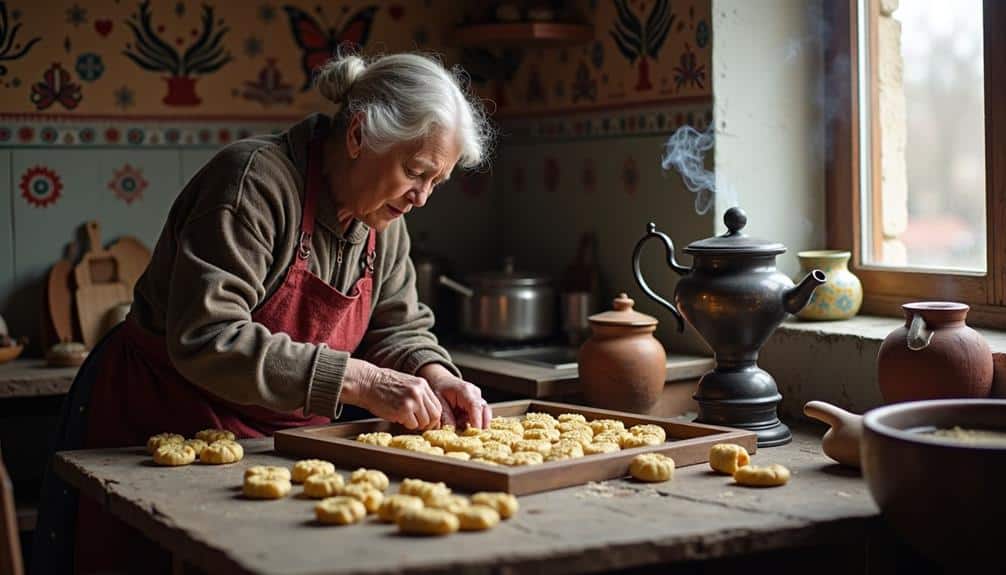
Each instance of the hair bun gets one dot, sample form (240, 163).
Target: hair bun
(336, 77)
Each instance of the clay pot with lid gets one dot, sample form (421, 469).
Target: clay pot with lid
(622, 365)
(934, 355)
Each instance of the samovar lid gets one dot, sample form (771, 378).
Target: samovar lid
(735, 242)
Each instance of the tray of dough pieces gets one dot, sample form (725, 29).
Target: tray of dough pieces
(490, 467)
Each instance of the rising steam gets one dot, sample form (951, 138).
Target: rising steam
(684, 151)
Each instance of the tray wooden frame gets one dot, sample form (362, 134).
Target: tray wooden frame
(687, 444)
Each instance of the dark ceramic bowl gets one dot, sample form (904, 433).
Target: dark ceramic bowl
(944, 497)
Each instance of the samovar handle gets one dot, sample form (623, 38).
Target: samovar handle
(651, 232)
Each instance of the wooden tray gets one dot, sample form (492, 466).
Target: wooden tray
(687, 444)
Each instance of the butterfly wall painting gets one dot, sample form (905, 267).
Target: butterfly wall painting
(318, 44)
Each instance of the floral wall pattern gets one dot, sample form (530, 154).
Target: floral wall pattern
(252, 60)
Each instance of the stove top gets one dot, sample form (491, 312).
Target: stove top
(545, 355)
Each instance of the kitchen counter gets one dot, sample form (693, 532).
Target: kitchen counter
(823, 519)
(540, 382)
(33, 378)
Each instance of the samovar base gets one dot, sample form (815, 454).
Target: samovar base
(744, 397)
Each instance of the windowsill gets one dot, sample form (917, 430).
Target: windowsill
(874, 328)
(836, 361)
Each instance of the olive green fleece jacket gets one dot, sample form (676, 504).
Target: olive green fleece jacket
(226, 245)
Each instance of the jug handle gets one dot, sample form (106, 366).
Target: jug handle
(919, 335)
(651, 232)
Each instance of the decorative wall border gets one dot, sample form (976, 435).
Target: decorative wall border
(25, 133)
(654, 120)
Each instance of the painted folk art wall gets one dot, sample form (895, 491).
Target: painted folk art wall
(252, 60)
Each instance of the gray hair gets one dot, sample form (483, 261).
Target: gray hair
(406, 97)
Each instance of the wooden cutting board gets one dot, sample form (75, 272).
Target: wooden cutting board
(59, 303)
(99, 287)
(133, 258)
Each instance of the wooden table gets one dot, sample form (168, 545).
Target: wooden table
(198, 514)
(32, 378)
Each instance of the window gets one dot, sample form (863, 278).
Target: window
(912, 188)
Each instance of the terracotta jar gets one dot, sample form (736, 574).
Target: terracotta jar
(934, 355)
(622, 366)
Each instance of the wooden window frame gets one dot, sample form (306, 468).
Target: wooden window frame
(886, 289)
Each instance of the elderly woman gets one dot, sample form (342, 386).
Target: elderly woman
(281, 288)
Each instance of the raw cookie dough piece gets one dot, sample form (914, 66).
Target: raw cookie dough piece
(372, 476)
(211, 435)
(652, 467)
(504, 436)
(377, 438)
(468, 444)
(163, 439)
(628, 441)
(602, 425)
(409, 441)
(307, 467)
(610, 436)
(539, 416)
(393, 505)
(485, 460)
(432, 450)
(221, 452)
(423, 489)
(649, 429)
(546, 433)
(542, 446)
(477, 518)
(452, 503)
(525, 458)
(325, 484)
(572, 417)
(439, 437)
(504, 503)
(339, 510)
(582, 436)
(263, 487)
(197, 445)
(601, 447)
(427, 522)
(727, 458)
(174, 454)
(366, 493)
(772, 476)
(270, 471)
(458, 455)
(511, 424)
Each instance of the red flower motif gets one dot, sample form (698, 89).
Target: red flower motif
(128, 183)
(40, 186)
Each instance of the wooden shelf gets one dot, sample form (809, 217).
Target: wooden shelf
(526, 34)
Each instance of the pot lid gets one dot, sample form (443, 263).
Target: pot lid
(623, 314)
(735, 242)
(508, 277)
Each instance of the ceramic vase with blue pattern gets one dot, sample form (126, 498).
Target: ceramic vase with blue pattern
(839, 297)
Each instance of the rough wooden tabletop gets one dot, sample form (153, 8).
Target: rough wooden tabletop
(32, 378)
(198, 513)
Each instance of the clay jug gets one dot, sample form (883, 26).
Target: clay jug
(622, 366)
(841, 442)
(934, 355)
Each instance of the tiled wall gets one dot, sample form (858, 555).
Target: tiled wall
(558, 179)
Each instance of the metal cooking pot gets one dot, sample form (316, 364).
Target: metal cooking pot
(506, 305)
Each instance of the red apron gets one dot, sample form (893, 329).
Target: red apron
(138, 392)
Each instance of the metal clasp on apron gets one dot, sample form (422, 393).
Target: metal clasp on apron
(304, 247)
(368, 261)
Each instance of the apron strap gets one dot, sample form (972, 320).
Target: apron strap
(314, 187)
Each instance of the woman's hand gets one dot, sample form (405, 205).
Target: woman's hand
(462, 402)
(391, 395)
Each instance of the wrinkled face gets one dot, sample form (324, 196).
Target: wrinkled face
(381, 187)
